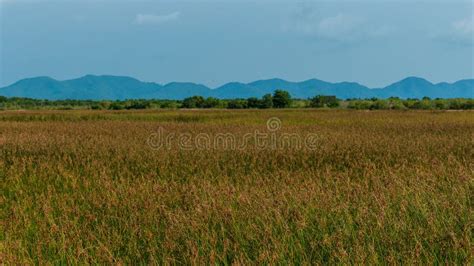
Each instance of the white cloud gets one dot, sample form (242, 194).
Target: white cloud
(464, 29)
(459, 32)
(156, 19)
(340, 27)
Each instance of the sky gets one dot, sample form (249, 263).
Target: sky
(213, 42)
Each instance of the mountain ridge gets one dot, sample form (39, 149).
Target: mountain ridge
(109, 87)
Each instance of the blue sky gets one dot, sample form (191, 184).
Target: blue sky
(213, 42)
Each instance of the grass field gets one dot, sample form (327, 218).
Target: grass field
(381, 187)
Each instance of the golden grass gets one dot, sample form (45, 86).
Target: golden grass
(383, 187)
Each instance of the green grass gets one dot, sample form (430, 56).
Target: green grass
(384, 187)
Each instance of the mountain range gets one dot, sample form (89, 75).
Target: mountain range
(92, 87)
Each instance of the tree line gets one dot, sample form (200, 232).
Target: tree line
(279, 99)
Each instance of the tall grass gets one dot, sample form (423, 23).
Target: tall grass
(383, 187)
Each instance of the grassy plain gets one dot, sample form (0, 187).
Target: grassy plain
(382, 187)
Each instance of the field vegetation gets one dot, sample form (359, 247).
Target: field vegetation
(386, 187)
(279, 99)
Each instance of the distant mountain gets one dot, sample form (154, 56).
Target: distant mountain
(39, 87)
(87, 87)
(180, 90)
(238, 90)
(119, 88)
(107, 87)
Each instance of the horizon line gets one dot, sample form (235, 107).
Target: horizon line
(230, 82)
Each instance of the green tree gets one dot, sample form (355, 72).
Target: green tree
(455, 104)
(105, 104)
(440, 104)
(316, 102)
(237, 104)
(267, 101)
(360, 104)
(117, 106)
(169, 104)
(138, 104)
(334, 104)
(322, 101)
(193, 102)
(253, 102)
(211, 103)
(380, 105)
(468, 104)
(423, 104)
(281, 99)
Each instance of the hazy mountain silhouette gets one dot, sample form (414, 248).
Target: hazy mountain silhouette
(118, 88)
